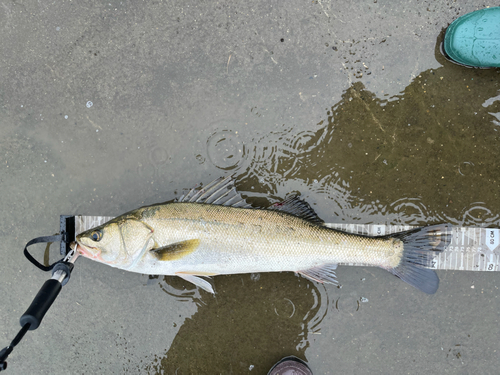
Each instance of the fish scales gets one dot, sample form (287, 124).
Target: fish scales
(239, 240)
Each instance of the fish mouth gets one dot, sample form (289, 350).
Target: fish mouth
(89, 251)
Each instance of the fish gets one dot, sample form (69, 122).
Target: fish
(214, 231)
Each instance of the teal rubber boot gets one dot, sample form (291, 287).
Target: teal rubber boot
(473, 40)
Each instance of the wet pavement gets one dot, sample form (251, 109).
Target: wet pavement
(108, 106)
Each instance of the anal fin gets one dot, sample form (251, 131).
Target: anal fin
(321, 274)
(198, 281)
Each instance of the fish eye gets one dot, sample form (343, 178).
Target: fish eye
(96, 235)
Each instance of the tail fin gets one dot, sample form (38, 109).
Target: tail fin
(419, 248)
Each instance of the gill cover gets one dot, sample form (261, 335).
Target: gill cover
(118, 242)
(135, 235)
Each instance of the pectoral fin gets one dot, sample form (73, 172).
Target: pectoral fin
(321, 274)
(176, 250)
(198, 281)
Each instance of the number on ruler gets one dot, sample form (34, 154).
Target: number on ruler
(492, 238)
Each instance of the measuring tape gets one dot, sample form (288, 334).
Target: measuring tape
(470, 249)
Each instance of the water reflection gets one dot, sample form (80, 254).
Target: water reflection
(251, 321)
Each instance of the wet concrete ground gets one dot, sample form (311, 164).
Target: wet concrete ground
(107, 106)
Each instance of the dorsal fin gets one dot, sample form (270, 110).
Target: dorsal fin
(298, 207)
(220, 191)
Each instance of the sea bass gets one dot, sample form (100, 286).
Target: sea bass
(213, 231)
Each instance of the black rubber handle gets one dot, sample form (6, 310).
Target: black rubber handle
(42, 302)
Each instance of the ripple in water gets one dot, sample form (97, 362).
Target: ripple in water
(410, 211)
(158, 156)
(478, 215)
(225, 150)
(311, 323)
(284, 308)
(339, 196)
(181, 290)
(465, 168)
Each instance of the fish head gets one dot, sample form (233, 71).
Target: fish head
(118, 243)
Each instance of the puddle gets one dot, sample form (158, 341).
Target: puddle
(347, 105)
(244, 323)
